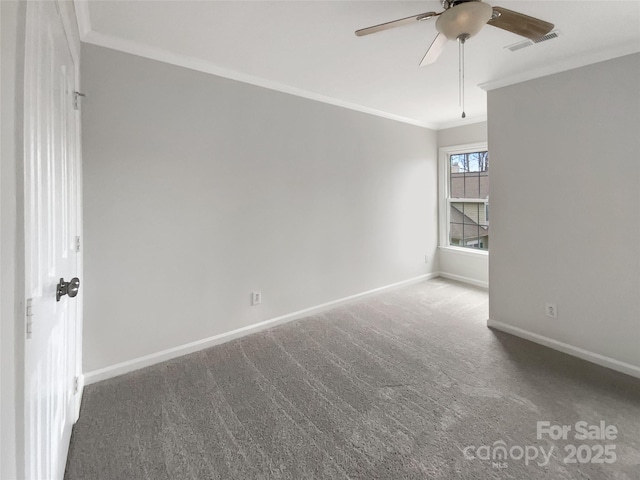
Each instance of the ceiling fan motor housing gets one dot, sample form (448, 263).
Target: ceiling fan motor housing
(466, 18)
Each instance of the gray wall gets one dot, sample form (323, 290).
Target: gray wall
(12, 24)
(200, 189)
(565, 207)
(473, 133)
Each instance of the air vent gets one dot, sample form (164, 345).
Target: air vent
(528, 43)
(548, 36)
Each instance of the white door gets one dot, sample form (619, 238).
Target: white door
(51, 224)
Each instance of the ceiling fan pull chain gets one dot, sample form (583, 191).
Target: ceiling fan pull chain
(459, 72)
(463, 112)
(461, 40)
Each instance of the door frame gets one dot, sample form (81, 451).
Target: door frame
(67, 13)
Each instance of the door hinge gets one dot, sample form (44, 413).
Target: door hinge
(77, 244)
(29, 315)
(77, 96)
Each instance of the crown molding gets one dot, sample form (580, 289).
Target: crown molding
(153, 53)
(88, 35)
(563, 65)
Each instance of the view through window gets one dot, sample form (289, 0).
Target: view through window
(469, 200)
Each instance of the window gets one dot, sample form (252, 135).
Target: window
(464, 207)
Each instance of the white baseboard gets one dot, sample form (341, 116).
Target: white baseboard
(164, 355)
(460, 278)
(587, 355)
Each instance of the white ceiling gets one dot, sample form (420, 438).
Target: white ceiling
(309, 48)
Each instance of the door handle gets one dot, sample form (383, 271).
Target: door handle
(67, 288)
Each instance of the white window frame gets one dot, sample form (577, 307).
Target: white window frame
(444, 167)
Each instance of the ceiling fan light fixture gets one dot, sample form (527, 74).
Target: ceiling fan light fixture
(464, 19)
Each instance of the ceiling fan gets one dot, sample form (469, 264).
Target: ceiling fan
(462, 19)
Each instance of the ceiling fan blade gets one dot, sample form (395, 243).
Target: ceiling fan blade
(436, 48)
(396, 23)
(520, 24)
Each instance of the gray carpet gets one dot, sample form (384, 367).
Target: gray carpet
(393, 387)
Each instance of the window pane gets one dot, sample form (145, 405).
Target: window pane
(470, 211)
(472, 185)
(469, 179)
(457, 163)
(456, 189)
(469, 175)
(484, 184)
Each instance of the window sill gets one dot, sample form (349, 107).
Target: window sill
(465, 251)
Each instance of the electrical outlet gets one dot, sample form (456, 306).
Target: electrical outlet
(551, 311)
(426, 259)
(256, 298)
